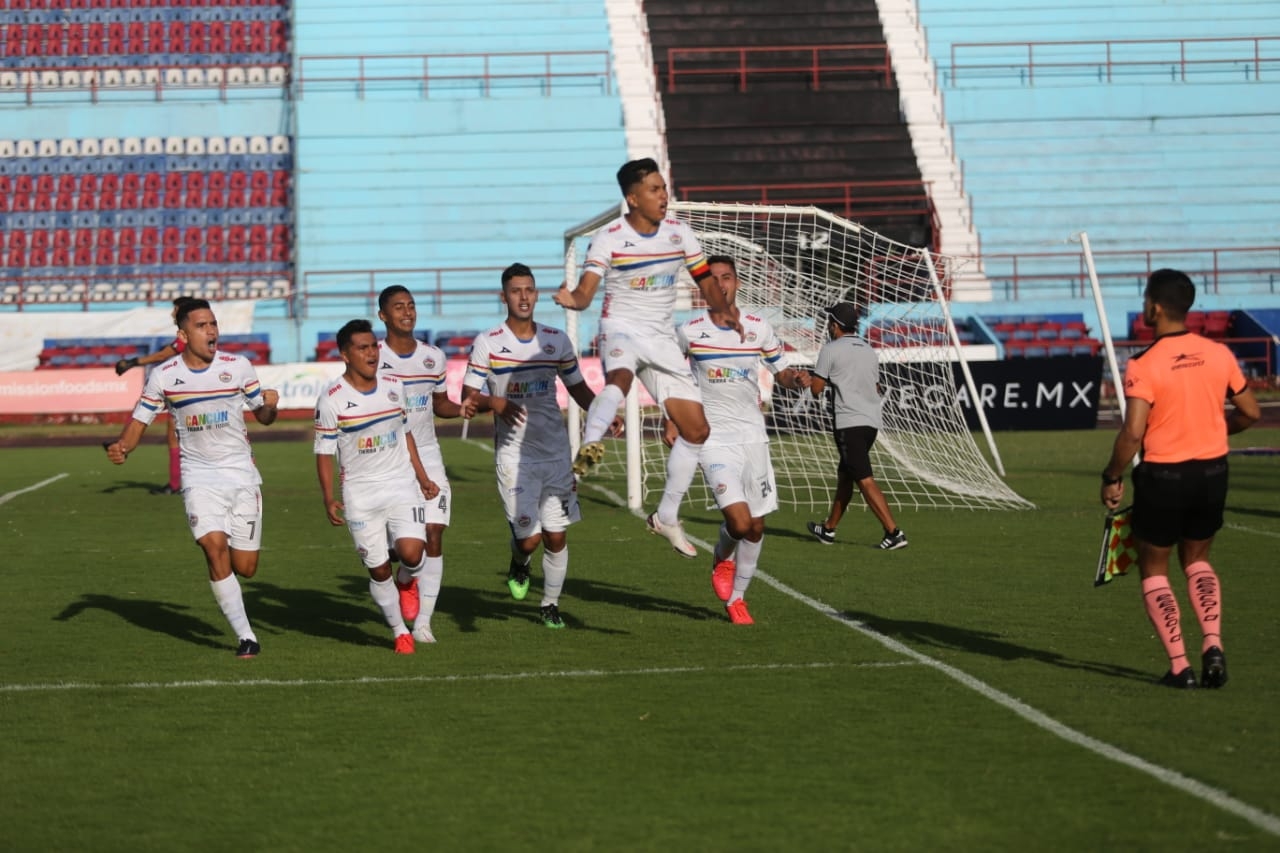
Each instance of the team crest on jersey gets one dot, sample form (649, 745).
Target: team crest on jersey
(615, 352)
(721, 489)
(428, 362)
(193, 519)
(224, 376)
(548, 349)
(751, 337)
(393, 396)
(362, 551)
(524, 521)
(676, 240)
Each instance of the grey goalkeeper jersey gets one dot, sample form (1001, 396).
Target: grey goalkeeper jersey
(850, 366)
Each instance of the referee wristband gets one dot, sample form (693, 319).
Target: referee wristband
(1111, 481)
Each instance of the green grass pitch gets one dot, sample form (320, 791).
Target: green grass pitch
(875, 705)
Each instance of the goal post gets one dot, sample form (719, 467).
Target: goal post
(793, 262)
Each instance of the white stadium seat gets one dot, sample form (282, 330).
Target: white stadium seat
(175, 145)
(132, 145)
(259, 145)
(195, 144)
(90, 148)
(279, 145)
(237, 145)
(68, 148)
(7, 148)
(152, 145)
(47, 148)
(216, 145)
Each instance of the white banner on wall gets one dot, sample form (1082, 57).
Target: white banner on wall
(22, 334)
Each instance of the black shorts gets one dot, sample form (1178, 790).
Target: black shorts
(853, 444)
(1180, 500)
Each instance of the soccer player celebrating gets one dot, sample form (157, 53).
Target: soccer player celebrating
(735, 459)
(639, 256)
(518, 362)
(420, 368)
(166, 352)
(1175, 390)
(205, 392)
(361, 419)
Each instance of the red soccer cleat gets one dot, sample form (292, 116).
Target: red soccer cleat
(738, 614)
(404, 644)
(722, 578)
(409, 603)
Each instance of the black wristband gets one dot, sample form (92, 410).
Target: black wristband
(1109, 481)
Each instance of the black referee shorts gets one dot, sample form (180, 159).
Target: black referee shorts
(854, 447)
(1179, 500)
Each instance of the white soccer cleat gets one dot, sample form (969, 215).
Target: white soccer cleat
(422, 634)
(673, 533)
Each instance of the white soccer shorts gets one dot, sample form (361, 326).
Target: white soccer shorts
(236, 511)
(373, 528)
(538, 496)
(742, 474)
(655, 359)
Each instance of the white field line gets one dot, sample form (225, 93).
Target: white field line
(1255, 532)
(59, 686)
(8, 496)
(1261, 819)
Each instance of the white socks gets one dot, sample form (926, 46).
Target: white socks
(682, 463)
(748, 558)
(227, 593)
(387, 597)
(555, 565)
(429, 575)
(604, 408)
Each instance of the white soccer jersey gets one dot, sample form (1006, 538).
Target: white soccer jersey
(422, 373)
(367, 432)
(641, 271)
(525, 371)
(208, 410)
(728, 372)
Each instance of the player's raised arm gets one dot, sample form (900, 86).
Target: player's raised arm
(580, 297)
(267, 413)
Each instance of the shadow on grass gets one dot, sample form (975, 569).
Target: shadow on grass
(633, 599)
(137, 485)
(1256, 513)
(915, 633)
(158, 616)
(316, 612)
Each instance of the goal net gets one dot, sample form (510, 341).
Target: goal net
(793, 262)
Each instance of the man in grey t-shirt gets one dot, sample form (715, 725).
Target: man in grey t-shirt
(851, 367)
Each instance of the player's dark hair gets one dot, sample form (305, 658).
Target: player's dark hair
(178, 303)
(183, 311)
(723, 259)
(515, 271)
(634, 172)
(388, 293)
(1173, 291)
(349, 330)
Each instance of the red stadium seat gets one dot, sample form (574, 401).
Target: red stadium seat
(84, 238)
(215, 254)
(107, 237)
(40, 240)
(105, 256)
(236, 235)
(171, 236)
(258, 234)
(213, 235)
(149, 237)
(127, 237)
(152, 182)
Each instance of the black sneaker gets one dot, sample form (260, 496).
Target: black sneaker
(248, 649)
(821, 533)
(551, 616)
(1184, 680)
(166, 489)
(518, 580)
(1213, 670)
(893, 541)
